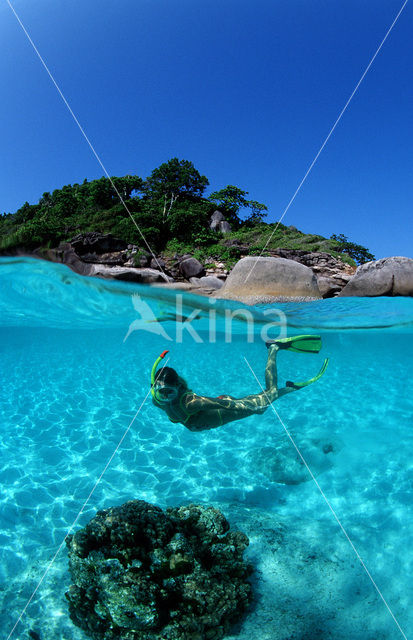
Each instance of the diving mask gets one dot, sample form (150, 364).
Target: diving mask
(164, 392)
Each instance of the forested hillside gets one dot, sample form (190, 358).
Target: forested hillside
(172, 214)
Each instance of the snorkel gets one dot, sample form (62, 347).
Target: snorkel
(155, 366)
(155, 394)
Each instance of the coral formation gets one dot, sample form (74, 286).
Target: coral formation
(141, 573)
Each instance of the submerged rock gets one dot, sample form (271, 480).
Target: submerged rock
(140, 573)
(283, 464)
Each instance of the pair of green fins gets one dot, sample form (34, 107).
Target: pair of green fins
(301, 344)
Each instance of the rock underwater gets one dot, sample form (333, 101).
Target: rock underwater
(140, 573)
(283, 465)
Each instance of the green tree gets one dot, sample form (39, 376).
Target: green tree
(232, 199)
(25, 213)
(46, 201)
(63, 203)
(356, 251)
(257, 213)
(127, 185)
(190, 219)
(101, 194)
(172, 180)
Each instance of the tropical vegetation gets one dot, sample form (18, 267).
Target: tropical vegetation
(168, 210)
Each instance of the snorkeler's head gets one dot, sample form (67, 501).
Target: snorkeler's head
(168, 385)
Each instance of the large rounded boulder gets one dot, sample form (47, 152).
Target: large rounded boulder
(253, 279)
(216, 218)
(191, 268)
(140, 573)
(386, 277)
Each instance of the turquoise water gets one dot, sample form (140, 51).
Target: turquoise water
(71, 384)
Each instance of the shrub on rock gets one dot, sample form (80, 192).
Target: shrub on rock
(140, 573)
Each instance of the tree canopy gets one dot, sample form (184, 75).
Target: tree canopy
(168, 203)
(232, 199)
(172, 180)
(356, 251)
(168, 206)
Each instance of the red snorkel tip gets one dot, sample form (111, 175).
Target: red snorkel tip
(163, 354)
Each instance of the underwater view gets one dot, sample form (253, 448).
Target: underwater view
(330, 533)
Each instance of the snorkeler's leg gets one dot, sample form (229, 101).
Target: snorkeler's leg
(271, 368)
(259, 402)
(228, 408)
(256, 403)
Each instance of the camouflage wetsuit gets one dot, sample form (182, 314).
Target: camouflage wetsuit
(199, 413)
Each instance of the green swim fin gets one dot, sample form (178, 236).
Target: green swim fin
(299, 385)
(301, 344)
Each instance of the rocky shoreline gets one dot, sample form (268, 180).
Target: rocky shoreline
(282, 275)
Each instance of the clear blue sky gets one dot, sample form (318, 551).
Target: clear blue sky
(245, 89)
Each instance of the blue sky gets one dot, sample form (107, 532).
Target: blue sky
(246, 90)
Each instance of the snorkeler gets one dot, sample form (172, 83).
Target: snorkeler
(170, 392)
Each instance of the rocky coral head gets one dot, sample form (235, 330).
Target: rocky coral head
(135, 524)
(142, 574)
